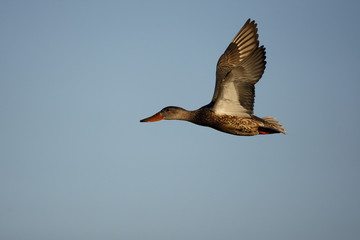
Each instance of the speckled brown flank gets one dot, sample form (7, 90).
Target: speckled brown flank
(232, 124)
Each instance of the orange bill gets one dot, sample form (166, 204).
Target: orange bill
(154, 118)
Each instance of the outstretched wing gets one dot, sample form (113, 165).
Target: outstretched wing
(238, 70)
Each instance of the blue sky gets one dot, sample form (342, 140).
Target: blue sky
(77, 76)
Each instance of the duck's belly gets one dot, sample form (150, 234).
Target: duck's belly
(243, 127)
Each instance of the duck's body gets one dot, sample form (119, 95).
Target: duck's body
(231, 108)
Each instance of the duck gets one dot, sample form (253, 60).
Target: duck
(230, 111)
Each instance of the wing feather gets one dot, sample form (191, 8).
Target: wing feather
(238, 70)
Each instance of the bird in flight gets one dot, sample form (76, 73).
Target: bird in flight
(231, 108)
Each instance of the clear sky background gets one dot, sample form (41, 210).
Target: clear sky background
(75, 162)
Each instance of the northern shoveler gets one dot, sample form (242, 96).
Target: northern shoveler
(231, 108)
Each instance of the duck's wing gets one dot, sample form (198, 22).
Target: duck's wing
(238, 70)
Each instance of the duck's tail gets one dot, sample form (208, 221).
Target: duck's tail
(271, 126)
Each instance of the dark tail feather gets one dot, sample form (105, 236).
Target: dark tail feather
(266, 130)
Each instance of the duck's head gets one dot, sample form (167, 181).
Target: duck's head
(168, 113)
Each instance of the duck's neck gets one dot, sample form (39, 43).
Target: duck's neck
(197, 116)
(187, 115)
